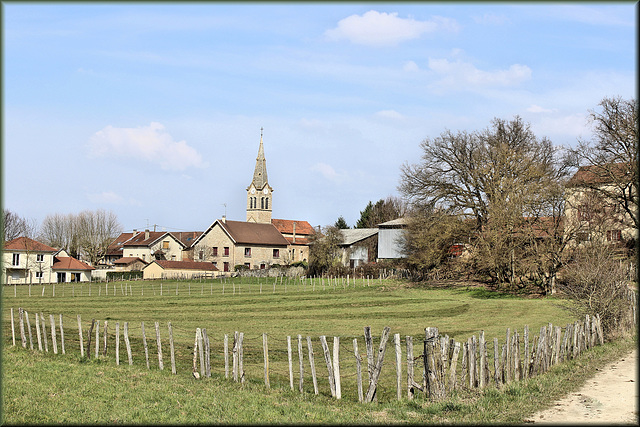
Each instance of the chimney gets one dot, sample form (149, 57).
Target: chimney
(146, 234)
(294, 231)
(224, 219)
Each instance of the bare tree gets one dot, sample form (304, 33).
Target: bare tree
(503, 177)
(61, 231)
(13, 225)
(610, 159)
(96, 230)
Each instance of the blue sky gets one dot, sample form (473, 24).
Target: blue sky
(154, 111)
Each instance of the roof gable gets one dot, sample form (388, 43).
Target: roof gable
(253, 233)
(598, 175)
(27, 244)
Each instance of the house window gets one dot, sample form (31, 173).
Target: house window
(226, 251)
(214, 251)
(16, 259)
(248, 265)
(276, 253)
(39, 275)
(584, 213)
(165, 244)
(40, 257)
(583, 236)
(263, 266)
(215, 264)
(226, 266)
(614, 235)
(247, 252)
(201, 255)
(62, 277)
(173, 257)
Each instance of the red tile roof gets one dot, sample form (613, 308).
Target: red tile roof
(253, 233)
(185, 265)
(115, 248)
(285, 226)
(187, 237)
(69, 263)
(302, 241)
(140, 238)
(128, 260)
(595, 174)
(27, 244)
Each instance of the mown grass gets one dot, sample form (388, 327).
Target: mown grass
(98, 391)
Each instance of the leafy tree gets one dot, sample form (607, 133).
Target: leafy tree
(384, 210)
(612, 154)
(503, 177)
(341, 223)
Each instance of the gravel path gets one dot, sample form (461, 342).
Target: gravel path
(611, 397)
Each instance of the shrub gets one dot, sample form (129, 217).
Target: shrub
(595, 283)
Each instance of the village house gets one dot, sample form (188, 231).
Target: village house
(358, 246)
(26, 261)
(184, 270)
(589, 214)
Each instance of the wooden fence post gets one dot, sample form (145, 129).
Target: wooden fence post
(21, 320)
(89, 335)
(194, 369)
(26, 316)
(235, 356)
(201, 351)
(80, 334)
(106, 330)
(327, 359)
(13, 329)
(378, 367)
(336, 366)
(483, 360)
(38, 335)
(159, 344)
(172, 349)
(368, 341)
(144, 343)
(97, 338)
(396, 338)
(265, 352)
(52, 321)
(472, 362)
(127, 343)
(358, 369)
(300, 358)
(526, 358)
(454, 366)
(117, 343)
(241, 356)
(290, 359)
(226, 356)
(410, 380)
(517, 368)
(207, 353)
(497, 369)
(465, 364)
(508, 365)
(62, 332)
(313, 365)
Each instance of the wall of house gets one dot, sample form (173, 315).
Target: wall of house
(154, 271)
(25, 271)
(389, 243)
(173, 253)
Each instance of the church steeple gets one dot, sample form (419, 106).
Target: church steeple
(259, 191)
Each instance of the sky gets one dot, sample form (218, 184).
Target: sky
(154, 111)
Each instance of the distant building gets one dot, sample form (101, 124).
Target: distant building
(186, 270)
(390, 238)
(356, 244)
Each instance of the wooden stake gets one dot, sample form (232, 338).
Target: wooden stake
(13, 328)
(38, 335)
(127, 343)
(97, 338)
(62, 332)
(410, 380)
(53, 334)
(290, 358)
(26, 316)
(159, 345)
(313, 366)
(358, 370)
(44, 332)
(226, 356)
(378, 367)
(398, 365)
(265, 353)
(327, 359)
(172, 349)
(300, 358)
(117, 343)
(106, 329)
(336, 366)
(80, 333)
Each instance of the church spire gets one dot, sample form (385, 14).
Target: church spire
(260, 172)
(259, 191)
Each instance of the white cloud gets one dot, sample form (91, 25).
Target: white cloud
(389, 114)
(105, 197)
(491, 19)
(538, 109)
(386, 29)
(327, 171)
(465, 75)
(410, 66)
(149, 143)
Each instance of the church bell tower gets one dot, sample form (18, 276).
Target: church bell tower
(259, 191)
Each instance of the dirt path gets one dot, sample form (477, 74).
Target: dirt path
(609, 397)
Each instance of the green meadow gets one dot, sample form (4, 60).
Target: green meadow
(43, 387)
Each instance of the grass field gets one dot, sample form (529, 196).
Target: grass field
(253, 307)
